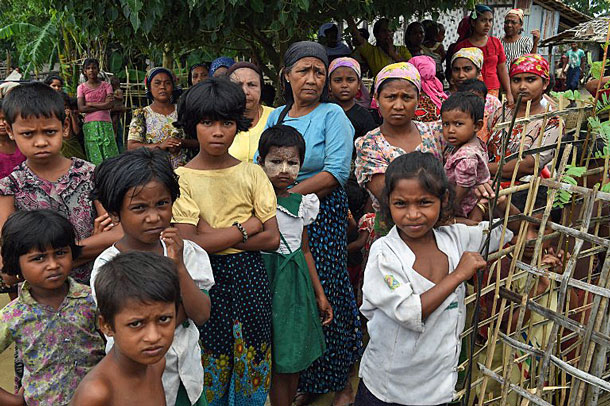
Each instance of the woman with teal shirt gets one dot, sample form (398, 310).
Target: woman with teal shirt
(329, 137)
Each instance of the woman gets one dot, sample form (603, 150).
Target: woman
(414, 38)
(466, 65)
(432, 95)
(529, 76)
(153, 126)
(494, 72)
(515, 44)
(250, 78)
(220, 66)
(198, 73)
(397, 89)
(328, 136)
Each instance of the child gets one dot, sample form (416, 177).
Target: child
(36, 121)
(465, 164)
(298, 339)
(10, 156)
(138, 295)
(55, 81)
(71, 146)
(413, 290)
(492, 103)
(228, 207)
(138, 188)
(118, 108)
(95, 99)
(52, 322)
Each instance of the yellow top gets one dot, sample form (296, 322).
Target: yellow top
(377, 58)
(245, 143)
(223, 196)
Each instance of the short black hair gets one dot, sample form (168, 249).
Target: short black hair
(49, 79)
(90, 61)
(430, 30)
(115, 176)
(466, 102)
(142, 276)
(36, 229)
(473, 86)
(430, 173)
(34, 99)
(69, 102)
(281, 135)
(519, 199)
(214, 99)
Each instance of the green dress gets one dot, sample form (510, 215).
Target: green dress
(298, 339)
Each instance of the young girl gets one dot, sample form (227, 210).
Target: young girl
(298, 339)
(465, 162)
(36, 121)
(228, 207)
(53, 321)
(138, 188)
(55, 81)
(71, 145)
(413, 295)
(95, 100)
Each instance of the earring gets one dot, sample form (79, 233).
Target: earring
(287, 81)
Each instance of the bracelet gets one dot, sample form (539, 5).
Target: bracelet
(242, 230)
(482, 207)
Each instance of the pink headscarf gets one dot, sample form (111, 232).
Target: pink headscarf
(429, 82)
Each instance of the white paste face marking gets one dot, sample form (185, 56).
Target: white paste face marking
(282, 165)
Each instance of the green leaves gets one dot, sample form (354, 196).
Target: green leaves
(563, 197)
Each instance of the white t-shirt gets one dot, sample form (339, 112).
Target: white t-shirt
(183, 359)
(409, 360)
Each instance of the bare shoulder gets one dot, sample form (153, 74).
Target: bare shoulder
(95, 389)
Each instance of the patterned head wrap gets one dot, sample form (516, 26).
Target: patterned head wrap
(516, 11)
(530, 63)
(154, 72)
(399, 70)
(347, 62)
(473, 54)
(225, 61)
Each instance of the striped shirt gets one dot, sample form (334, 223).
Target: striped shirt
(513, 50)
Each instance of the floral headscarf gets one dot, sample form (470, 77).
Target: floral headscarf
(399, 70)
(516, 11)
(473, 54)
(530, 63)
(347, 62)
(429, 82)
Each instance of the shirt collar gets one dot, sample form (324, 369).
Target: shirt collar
(75, 291)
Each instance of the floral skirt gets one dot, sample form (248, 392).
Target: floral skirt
(100, 143)
(236, 340)
(328, 244)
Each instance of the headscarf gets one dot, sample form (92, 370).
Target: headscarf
(399, 70)
(480, 9)
(530, 63)
(154, 72)
(326, 26)
(246, 65)
(429, 82)
(297, 51)
(346, 62)
(516, 11)
(473, 54)
(304, 49)
(197, 65)
(463, 29)
(225, 61)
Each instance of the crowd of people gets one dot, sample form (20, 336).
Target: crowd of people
(232, 252)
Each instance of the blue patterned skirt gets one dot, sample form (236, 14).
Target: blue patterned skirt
(236, 340)
(328, 243)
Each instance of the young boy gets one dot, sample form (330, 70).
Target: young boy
(138, 189)
(138, 295)
(53, 321)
